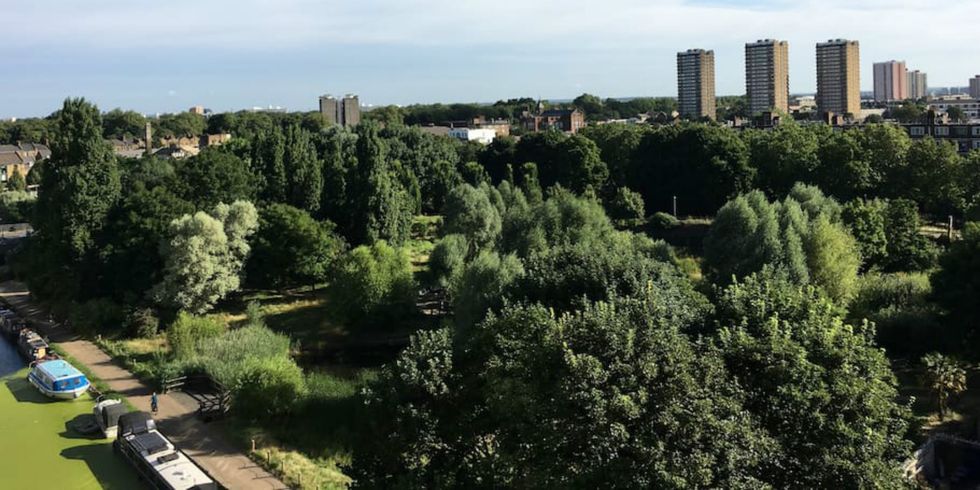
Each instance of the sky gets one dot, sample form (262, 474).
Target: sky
(156, 57)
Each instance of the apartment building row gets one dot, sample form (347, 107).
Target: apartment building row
(767, 78)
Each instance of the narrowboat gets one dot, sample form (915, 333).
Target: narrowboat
(32, 346)
(58, 379)
(156, 460)
(11, 324)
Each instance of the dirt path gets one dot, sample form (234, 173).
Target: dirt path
(205, 443)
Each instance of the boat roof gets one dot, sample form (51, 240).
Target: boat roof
(59, 369)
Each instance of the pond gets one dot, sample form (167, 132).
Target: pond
(37, 448)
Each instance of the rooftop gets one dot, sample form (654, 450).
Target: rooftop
(59, 369)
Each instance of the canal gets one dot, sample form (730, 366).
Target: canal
(37, 447)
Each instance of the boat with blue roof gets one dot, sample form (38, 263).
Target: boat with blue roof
(58, 379)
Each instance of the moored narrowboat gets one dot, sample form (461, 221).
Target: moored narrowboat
(32, 346)
(11, 324)
(155, 458)
(58, 379)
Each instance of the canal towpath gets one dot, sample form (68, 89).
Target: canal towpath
(204, 443)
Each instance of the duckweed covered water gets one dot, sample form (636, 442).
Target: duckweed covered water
(37, 447)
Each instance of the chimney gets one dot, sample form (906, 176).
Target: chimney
(148, 139)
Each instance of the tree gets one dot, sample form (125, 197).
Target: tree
(290, 248)
(468, 212)
(782, 157)
(80, 183)
(956, 285)
(569, 160)
(865, 219)
(702, 165)
(373, 284)
(270, 149)
(214, 176)
(956, 114)
(819, 387)
(481, 284)
(16, 182)
(945, 377)
(304, 177)
(204, 256)
(627, 206)
(381, 207)
(908, 249)
(931, 177)
(803, 240)
(448, 258)
(121, 124)
(528, 399)
(617, 147)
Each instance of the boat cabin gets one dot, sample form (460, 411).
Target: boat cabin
(58, 379)
(32, 346)
(155, 458)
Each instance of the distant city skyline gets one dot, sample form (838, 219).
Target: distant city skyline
(232, 55)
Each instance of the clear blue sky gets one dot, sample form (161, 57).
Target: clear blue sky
(154, 56)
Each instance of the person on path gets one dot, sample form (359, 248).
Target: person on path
(153, 402)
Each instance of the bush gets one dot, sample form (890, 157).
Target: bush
(97, 316)
(663, 221)
(627, 206)
(268, 388)
(373, 284)
(189, 331)
(142, 323)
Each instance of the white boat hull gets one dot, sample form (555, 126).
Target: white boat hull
(60, 395)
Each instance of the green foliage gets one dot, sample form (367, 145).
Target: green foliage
(561, 219)
(571, 161)
(215, 176)
(373, 284)
(663, 221)
(906, 321)
(81, 183)
(956, 285)
(702, 165)
(626, 206)
(189, 332)
(16, 206)
(204, 256)
(908, 250)
(469, 212)
(304, 179)
(816, 385)
(448, 257)
(96, 315)
(120, 124)
(782, 156)
(945, 377)
(800, 239)
(142, 323)
(17, 182)
(267, 389)
(567, 402)
(382, 208)
(269, 162)
(291, 248)
(180, 125)
(481, 284)
(865, 219)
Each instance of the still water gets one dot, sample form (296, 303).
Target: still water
(37, 447)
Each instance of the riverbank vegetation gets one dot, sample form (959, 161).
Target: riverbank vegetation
(406, 310)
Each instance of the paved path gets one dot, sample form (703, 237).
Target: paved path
(205, 443)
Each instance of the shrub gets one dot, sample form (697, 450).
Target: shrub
(906, 323)
(627, 206)
(189, 331)
(663, 221)
(142, 322)
(373, 284)
(268, 388)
